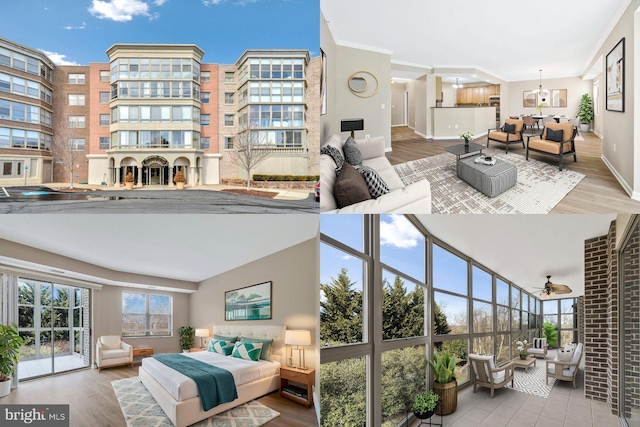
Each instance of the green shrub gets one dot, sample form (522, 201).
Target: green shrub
(295, 178)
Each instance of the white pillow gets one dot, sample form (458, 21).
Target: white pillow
(564, 356)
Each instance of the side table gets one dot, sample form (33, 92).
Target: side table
(296, 384)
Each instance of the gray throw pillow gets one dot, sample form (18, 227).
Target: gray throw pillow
(334, 153)
(350, 187)
(509, 128)
(352, 153)
(377, 186)
(554, 135)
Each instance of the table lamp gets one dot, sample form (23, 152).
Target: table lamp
(202, 333)
(351, 125)
(298, 338)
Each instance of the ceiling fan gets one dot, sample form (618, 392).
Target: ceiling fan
(550, 290)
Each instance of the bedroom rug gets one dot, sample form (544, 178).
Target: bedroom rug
(533, 382)
(140, 409)
(539, 188)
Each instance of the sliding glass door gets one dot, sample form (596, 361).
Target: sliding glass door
(54, 324)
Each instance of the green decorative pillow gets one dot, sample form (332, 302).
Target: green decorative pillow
(267, 346)
(247, 350)
(221, 347)
(223, 338)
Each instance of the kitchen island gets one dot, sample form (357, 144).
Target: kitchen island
(450, 122)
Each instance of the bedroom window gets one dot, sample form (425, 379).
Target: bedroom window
(146, 315)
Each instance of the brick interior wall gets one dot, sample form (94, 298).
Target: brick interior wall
(612, 321)
(581, 319)
(631, 298)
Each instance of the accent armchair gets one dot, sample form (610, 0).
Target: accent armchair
(509, 133)
(565, 371)
(538, 347)
(551, 144)
(485, 373)
(112, 351)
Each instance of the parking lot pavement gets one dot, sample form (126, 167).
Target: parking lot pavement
(45, 200)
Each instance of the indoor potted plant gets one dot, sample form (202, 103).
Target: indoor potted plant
(179, 179)
(187, 337)
(585, 112)
(443, 366)
(424, 404)
(550, 332)
(521, 346)
(10, 343)
(128, 181)
(467, 136)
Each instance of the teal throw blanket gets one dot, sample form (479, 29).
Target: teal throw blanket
(215, 385)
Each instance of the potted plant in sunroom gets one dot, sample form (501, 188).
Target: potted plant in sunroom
(521, 346)
(10, 343)
(424, 404)
(550, 332)
(128, 181)
(443, 366)
(179, 179)
(187, 337)
(585, 112)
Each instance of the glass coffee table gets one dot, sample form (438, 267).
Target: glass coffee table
(462, 150)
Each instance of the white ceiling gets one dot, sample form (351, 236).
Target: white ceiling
(179, 247)
(524, 249)
(506, 39)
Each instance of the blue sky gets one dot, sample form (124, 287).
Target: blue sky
(80, 31)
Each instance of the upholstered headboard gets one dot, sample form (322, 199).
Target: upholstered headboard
(276, 332)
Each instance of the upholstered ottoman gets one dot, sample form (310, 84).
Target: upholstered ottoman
(489, 180)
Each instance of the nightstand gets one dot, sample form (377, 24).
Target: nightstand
(296, 384)
(194, 349)
(141, 352)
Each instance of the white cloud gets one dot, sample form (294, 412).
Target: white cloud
(237, 2)
(58, 58)
(79, 27)
(399, 233)
(212, 2)
(346, 257)
(160, 2)
(119, 10)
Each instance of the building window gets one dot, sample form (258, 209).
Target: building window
(205, 119)
(228, 120)
(104, 119)
(104, 97)
(229, 77)
(205, 76)
(228, 143)
(228, 98)
(76, 79)
(104, 143)
(205, 143)
(205, 97)
(11, 169)
(76, 99)
(146, 315)
(76, 144)
(104, 75)
(76, 121)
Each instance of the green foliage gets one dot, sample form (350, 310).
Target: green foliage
(10, 343)
(343, 393)
(425, 402)
(262, 177)
(440, 327)
(187, 337)
(340, 311)
(550, 332)
(585, 110)
(402, 313)
(443, 366)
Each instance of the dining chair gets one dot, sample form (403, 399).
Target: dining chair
(530, 122)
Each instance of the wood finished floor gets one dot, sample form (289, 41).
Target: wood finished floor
(92, 401)
(598, 192)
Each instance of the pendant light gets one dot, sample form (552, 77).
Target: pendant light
(540, 90)
(457, 85)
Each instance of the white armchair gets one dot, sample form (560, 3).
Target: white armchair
(538, 347)
(112, 351)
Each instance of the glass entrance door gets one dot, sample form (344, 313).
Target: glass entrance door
(53, 322)
(155, 175)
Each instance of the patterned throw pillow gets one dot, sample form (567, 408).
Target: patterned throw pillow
(334, 153)
(377, 186)
(221, 347)
(267, 344)
(554, 135)
(352, 154)
(247, 350)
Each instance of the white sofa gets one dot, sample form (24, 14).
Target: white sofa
(413, 198)
(112, 351)
(565, 371)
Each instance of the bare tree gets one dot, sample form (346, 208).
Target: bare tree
(63, 149)
(249, 151)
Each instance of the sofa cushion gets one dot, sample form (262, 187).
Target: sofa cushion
(502, 136)
(564, 356)
(386, 171)
(110, 342)
(376, 185)
(334, 153)
(481, 362)
(549, 146)
(577, 353)
(371, 148)
(352, 154)
(568, 130)
(518, 122)
(554, 135)
(114, 354)
(327, 181)
(540, 343)
(350, 187)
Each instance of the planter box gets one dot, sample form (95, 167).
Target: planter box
(302, 185)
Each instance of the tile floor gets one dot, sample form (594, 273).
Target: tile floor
(565, 407)
(38, 367)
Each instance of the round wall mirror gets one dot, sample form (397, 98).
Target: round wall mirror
(363, 84)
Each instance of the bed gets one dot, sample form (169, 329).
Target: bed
(177, 394)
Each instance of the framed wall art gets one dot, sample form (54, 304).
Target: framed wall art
(249, 303)
(559, 98)
(615, 78)
(529, 99)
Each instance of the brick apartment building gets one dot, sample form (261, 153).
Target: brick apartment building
(153, 110)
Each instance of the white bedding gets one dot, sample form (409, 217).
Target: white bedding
(182, 387)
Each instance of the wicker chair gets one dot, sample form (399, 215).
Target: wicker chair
(485, 373)
(565, 371)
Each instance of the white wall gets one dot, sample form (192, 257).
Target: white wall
(449, 95)
(397, 103)
(411, 88)
(421, 109)
(575, 89)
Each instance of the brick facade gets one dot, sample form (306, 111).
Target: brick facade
(631, 307)
(313, 114)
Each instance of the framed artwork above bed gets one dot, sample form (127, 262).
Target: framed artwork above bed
(248, 303)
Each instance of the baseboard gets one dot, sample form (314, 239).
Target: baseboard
(596, 134)
(626, 187)
(411, 127)
(420, 134)
(388, 149)
(398, 126)
(316, 404)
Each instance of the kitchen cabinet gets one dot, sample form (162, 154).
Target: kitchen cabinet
(476, 95)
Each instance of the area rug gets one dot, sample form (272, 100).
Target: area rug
(140, 409)
(533, 382)
(540, 186)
